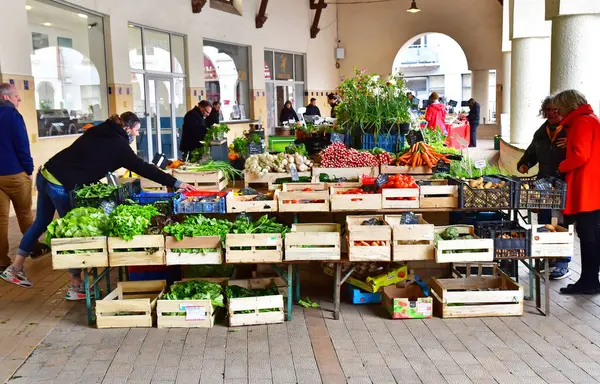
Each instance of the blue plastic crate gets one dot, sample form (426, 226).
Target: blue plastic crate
(358, 296)
(146, 198)
(385, 141)
(181, 205)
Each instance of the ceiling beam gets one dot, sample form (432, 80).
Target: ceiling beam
(261, 17)
(197, 5)
(318, 6)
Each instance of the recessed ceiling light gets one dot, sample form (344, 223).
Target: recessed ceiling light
(28, 7)
(47, 24)
(82, 15)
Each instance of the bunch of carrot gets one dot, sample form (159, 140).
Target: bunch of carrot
(421, 154)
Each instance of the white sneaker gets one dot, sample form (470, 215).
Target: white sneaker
(77, 293)
(17, 278)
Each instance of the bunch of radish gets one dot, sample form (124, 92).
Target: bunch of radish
(338, 156)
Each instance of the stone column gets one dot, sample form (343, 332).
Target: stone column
(480, 89)
(530, 67)
(575, 57)
(506, 63)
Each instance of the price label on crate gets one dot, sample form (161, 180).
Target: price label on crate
(414, 136)
(193, 312)
(294, 172)
(337, 138)
(480, 164)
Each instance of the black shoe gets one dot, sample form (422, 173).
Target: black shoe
(580, 289)
(40, 250)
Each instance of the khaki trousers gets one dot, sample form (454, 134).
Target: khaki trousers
(15, 188)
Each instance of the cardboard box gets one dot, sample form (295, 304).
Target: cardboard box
(407, 303)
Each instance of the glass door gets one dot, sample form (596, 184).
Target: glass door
(283, 92)
(160, 121)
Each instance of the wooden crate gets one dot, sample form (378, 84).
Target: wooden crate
(269, 178)
(358, 232)
(119, 256)
(203, 181)
(96, 254)
(238, 204)
(480, 250)
(351, 174)
(243, 248)
(420, 237)
(406, 170)
(439, 195)
(342, 184)
(340, 203)
(130, 305)
(389, 194)
(292, 198)
(202, 242)
(255, 304)
(552, 244)
(313, 242)
(477, 296)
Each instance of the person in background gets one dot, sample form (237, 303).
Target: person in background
(215, 115)
(16, 168)
(101, 149)
(548, 150)
(473, 118)
(312, 109)
(582, 174)
(194, 127)
(436, 113)
(334, 101)
(287, 113)
(414, 103)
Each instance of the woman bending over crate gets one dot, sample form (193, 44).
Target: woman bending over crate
(101, 149)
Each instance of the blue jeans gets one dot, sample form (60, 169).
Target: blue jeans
(545, 217)
(51, 198)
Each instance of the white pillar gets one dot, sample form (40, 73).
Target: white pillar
(530, 72)
(506, 64)
(575, 56)
(480, 89)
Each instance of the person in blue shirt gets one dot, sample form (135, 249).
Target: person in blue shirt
(16, 167)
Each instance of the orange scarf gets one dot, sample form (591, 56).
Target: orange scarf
(553, 135)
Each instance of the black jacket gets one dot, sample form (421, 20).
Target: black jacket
(101, 149)
(474, 114)
(213, 118)
(287, 115)
(333, 107)
(193, 130)
(541, 151)
(312, 110)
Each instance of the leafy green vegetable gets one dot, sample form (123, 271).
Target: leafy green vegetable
(228, 171)
(451, 233)
(98, 190)
(235, 291)
(262, 225)
(127, 221)
(307, 303)
(197, 290)
(198, 225)
(79, 222)
(293, 148)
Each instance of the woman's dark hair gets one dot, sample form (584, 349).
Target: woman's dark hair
(286, 103)
(127, 119)
(545, 103)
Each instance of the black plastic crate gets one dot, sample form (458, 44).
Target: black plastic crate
(121, 194)
(496, 198)
(511, 241)
(540, 193)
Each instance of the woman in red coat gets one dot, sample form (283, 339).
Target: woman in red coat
(436, 113)
(582, 174)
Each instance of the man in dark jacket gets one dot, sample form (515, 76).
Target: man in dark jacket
(194, 127)
(548, 150)
(473, 118)
(334, 101)
(16, 167)
(312, 109)
(215, 115)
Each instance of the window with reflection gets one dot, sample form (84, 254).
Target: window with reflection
(68, 62)
(226, 71)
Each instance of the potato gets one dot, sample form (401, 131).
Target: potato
(550, 227)
(488, 185)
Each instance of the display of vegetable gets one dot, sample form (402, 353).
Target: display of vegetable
(400, 181)
(466, 169)
(79, 222)
(127, 221)
(263, 225)
(229, 172)
(481, 183)
(264, 163)
(196, 290)
(338, 156)
(293, 148)
(198, 225)
(95, 191)
(421, 154)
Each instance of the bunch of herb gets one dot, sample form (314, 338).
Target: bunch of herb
(263, 225)
(240, 146)
(236, 292)
(79, 222)
(197, 290)
(95, 191)
(127, 221)
(466, 169)
(293, 149)
(198, 225)
(213, 166)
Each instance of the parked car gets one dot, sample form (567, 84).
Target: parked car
(56, 122)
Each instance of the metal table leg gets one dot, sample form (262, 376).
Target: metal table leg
(108, 290)
(547, 285)
(296, 281)
(88, 300)
(336, 291)
(94, 284)
(287, 278)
